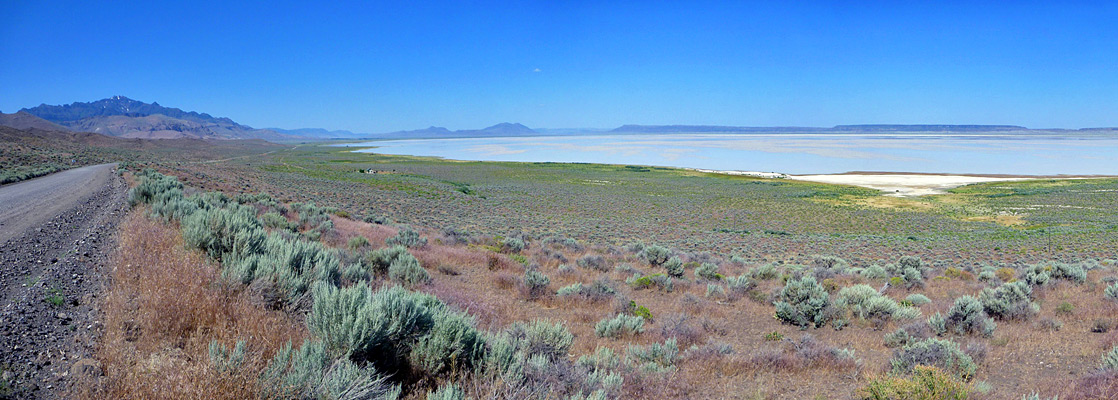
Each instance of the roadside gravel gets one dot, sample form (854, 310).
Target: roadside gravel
(51, 275)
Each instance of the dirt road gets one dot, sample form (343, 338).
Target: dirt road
(55, 235)
(30, 203)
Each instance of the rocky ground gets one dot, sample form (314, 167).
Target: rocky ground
(50, 279)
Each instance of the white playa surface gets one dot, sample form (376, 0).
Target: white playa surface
(757, 174)
(902, 185)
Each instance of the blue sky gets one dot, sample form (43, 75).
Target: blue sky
(385, 66)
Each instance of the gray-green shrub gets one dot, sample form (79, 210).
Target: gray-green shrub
(674, 267)
(918, 299)
(1111, 292)
(447, 392)
(406, 269)
(380, 259)
(802, 302)
(535, 283)
(619, 326)
(656, 255)
(393, 328)
(656, 356)
(309, 373)
(407, 237)
(764, 272)
(223, 359)
(593, 261)
(1110, 360)
(1009, 301)
(513, 245)
(708, 271)
(943, 354)
(967, 316)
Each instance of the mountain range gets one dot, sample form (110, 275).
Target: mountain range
(123, 117)
(120, 116)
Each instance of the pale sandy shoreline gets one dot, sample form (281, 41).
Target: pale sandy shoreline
(902, 184)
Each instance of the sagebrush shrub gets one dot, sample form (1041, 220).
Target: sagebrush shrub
(407, 237)
(535, 283)
(918, 299)
(674, 267)
(593, 261)
(716, 291)
(379, 260)
(598, 291)
(406, 269)
(223, 359)
(619, 326)
(967, 316)
(764, 272)
(1008, 301)
(942, 354)
(1110, 360)
(802, 303)
(1111, 292)
(393, 328)
(1035, 275)
(447, 392)
(513, 245)
(656, 356)
(833, 263)
(708, 271)
(310, 373)
(656, 255)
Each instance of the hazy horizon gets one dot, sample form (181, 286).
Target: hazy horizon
(384, 68)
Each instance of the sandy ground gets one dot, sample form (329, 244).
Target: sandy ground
(903, 185)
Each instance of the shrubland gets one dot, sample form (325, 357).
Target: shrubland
(461, 303)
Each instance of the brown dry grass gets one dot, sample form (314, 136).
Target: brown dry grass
(163, 308)
(166, 305)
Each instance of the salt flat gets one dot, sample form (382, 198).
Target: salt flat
(903, 185)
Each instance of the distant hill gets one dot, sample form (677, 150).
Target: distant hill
(869, 128)
(319, 133)
(501, 129)
(709, 129)
(24, 120)
(930, 128)
(123, 117)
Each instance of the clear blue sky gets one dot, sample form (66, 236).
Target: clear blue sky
(389, 66)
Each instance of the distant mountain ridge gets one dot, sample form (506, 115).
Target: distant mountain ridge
(117, 105)
(836, 128)
(123, 117)
(319, 133)
(501, 129)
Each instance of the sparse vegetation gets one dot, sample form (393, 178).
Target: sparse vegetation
(470, 337)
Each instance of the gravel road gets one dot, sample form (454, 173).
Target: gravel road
(55, 235)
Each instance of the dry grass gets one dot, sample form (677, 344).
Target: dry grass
(163, 308)
(166, 305)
